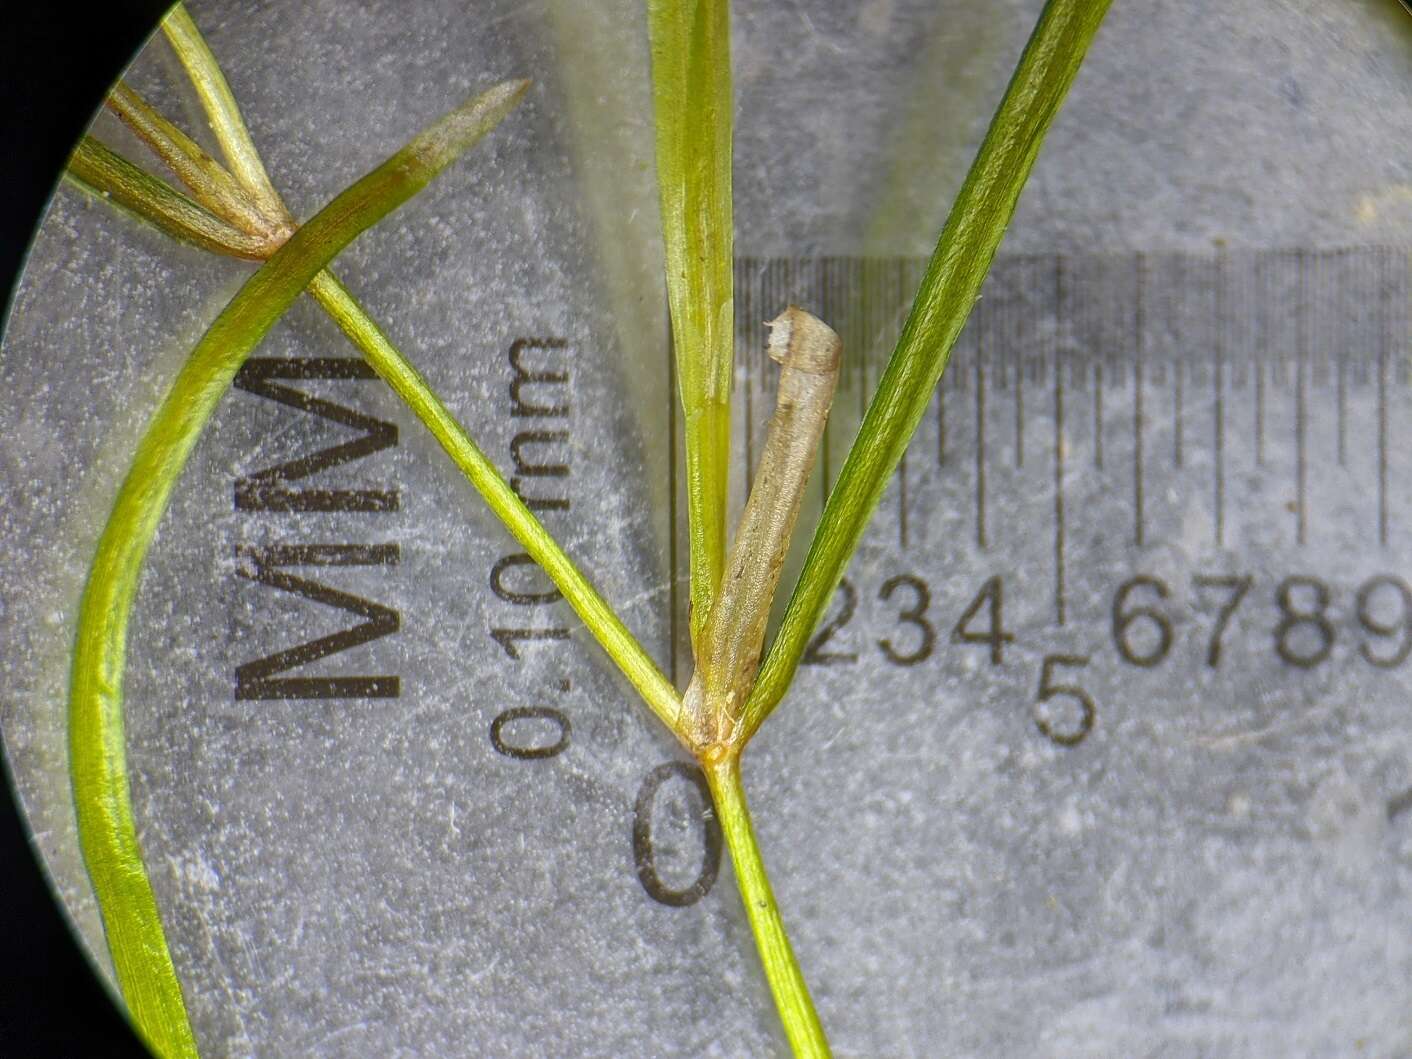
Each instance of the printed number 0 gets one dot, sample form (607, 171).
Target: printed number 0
(645, 855)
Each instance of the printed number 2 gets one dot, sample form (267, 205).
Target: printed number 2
(815, 654)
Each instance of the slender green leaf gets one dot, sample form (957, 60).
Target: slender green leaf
(221, 109)
(212, 186)
(98, 759)
(108, 175)
(389, 362)
(691, 90)
(968, 242)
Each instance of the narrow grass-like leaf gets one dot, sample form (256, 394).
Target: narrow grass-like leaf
(207, 180)
(968, 242)
(388, 361)
(221, 109)
(106, 174)
(98, 759)
(691, 92)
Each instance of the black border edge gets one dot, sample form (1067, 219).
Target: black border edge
(56, 61)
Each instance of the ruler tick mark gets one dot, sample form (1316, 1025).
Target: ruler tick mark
(902, 501)
(1021, 348)
(829, 313)
(865, 335)
(1383, 340)
(1177, 374)
(1342, 414)
(941, 423)
(749, 433)
(1138, 326)
(1300, 427)
(1219, 399)
(1098, 416)
(1259, 411)
(1258, 368)
(980, 445)
(1058, 443)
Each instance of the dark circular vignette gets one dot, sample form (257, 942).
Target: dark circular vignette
(56, 61)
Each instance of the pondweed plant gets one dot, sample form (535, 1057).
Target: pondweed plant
(232, 208)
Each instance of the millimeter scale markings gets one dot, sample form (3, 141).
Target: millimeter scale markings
(1236, 402)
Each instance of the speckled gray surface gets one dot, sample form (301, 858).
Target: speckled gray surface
(1220, 869)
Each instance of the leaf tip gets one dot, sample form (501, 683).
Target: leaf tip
(440, 143)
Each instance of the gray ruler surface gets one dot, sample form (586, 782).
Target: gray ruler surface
(1237, 409)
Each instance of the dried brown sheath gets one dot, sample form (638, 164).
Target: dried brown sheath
(808, 353)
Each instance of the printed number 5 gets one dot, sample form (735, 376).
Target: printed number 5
(1045, 718)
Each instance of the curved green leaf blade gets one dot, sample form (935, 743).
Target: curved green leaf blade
(98, 759)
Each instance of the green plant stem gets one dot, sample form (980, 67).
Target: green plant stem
(98, 758)
(691, 94)
(656, 690)
(791, 993)
(967, 245)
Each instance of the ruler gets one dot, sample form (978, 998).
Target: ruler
(1133, 440)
